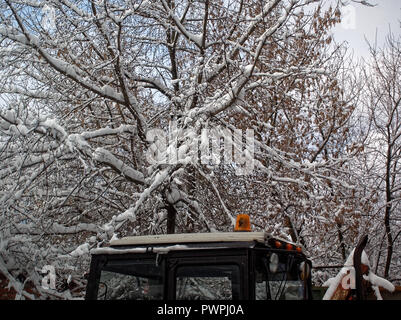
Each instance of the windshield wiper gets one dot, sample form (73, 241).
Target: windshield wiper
(267, 289)
(288, 267)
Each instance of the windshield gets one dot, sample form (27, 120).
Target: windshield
(215, 282)
(278, 276)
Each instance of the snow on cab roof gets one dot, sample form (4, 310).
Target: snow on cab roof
(190, 238)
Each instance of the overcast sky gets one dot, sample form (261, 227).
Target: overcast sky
(362, 22)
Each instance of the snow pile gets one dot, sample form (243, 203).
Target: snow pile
(374, 280)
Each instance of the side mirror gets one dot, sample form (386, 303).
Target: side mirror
(273, 263)
(304, 270)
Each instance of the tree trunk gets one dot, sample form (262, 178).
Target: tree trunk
(361, 293)
(388, 212)
(341, 240)
(171, 215)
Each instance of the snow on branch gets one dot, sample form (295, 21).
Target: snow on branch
(72, 71)
(55, 228)
(106, 157)
(130, 214)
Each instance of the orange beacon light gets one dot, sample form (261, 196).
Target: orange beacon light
(243, 223)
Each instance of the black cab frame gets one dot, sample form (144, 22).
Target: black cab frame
(200, 266)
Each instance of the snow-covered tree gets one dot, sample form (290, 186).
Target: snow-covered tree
(108, 108)
(383, 147)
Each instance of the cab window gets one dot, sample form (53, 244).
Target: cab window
(279, 276)
(130, 280)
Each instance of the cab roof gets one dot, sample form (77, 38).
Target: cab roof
(192, 241)
(182, 238)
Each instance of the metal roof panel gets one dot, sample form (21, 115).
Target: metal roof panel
(190, 238)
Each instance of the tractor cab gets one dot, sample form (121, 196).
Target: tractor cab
(200, 266)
